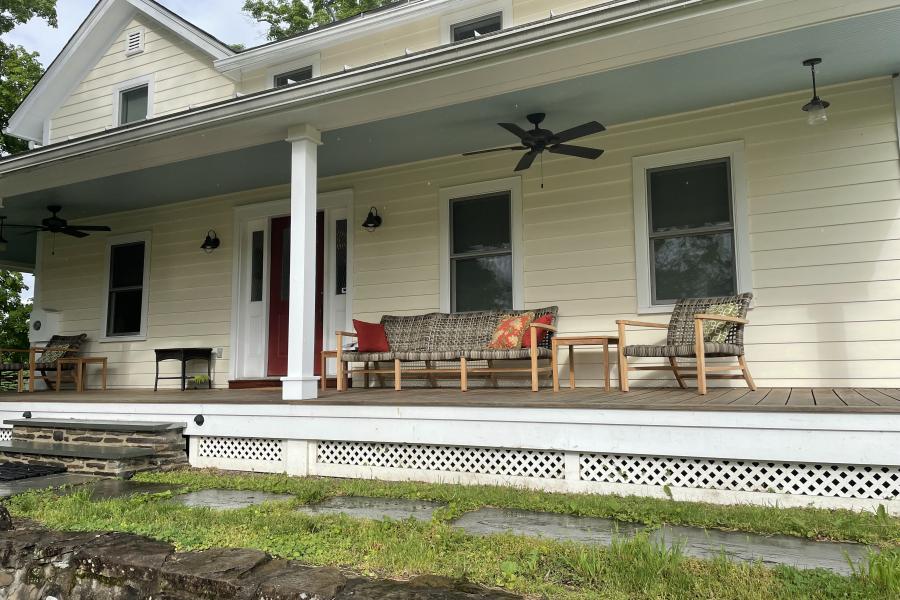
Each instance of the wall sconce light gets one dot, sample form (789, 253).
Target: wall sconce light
(373, 220)
(815, 108)
(211, 242)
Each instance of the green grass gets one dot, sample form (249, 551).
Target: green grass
(837, 525)
(537, 568)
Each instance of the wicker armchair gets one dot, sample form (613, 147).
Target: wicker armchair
(685, 339)
(43, 361)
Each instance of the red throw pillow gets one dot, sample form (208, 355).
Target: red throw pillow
(371, 337)
(541, 333)
(509, 332)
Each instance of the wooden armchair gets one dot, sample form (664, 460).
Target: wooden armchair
(45, 361)
(699, 328)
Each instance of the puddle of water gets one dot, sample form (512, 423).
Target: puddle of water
(374, 508)
(227, 499)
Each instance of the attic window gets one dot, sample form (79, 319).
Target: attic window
(292, 77)
(473, 28)
(134, 42)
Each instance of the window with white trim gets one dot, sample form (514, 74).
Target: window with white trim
(134, 104)
(292, 77)
(481, 246)
(690, 225)
(476, 27)
(127, 286)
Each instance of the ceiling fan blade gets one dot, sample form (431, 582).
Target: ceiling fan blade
(495, 150)
(579, 151)
(91, 227)
(514, 129)
(579, 131)
(526, 160)
(73, 232)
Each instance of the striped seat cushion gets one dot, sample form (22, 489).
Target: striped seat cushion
(684, 350)
(510, 354)
(12, 366)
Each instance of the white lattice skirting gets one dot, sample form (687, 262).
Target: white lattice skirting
(701, 479)
(238, 453)
(5, 434)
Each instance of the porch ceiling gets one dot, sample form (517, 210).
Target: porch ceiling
(855, 48)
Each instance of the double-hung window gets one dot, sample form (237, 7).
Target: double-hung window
(690, 211)
(127, 280)
(481, 247)
(134, 104)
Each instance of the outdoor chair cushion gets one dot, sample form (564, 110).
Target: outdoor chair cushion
(63, 345)
(12, 366)
(681, 324)
(684, 350)
(371, 337)
(717, 331)
(509, 331)
(505, 354)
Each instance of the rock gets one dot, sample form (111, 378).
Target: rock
(38, 564)
(5, 519)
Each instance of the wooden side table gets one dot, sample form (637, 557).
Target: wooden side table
(581, 340)
(80, 363)
(323, 370)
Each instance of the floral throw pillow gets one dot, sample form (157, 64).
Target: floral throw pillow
(510, 331)
(717, 331)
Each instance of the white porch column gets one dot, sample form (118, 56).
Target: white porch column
(300, 382)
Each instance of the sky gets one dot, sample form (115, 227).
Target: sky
(222, 18)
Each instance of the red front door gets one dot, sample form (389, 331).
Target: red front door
(279, 292)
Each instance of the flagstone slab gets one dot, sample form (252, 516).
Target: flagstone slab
(12, 488)
(108, 489)
(770, 550)
(374, 508)
(227, 499)
(586, 530)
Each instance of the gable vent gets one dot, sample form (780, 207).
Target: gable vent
(134, 42)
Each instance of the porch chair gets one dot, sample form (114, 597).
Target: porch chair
(699, 328)
(11, 366)
(44, 360)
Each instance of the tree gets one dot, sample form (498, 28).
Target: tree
(287, 18)
(14, 313)
(19, 69)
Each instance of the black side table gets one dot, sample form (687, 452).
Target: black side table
(183, 355)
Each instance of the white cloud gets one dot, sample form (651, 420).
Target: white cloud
(221, 18)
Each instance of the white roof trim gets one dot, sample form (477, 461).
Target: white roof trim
(92, 38)
(283, 51)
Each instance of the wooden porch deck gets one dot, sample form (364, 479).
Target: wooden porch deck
(816, 400)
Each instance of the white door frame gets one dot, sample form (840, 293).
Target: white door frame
(327, 201)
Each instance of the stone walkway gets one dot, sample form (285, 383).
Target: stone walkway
(227, 499)
(374, 508)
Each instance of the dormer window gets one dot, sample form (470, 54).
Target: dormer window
(474, 28)
(134, 42)
(292, 77)
(133, 104)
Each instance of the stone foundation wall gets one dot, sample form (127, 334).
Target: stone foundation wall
(85, 466)
(36, 564)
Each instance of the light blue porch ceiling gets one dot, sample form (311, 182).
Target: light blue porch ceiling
(852, 49)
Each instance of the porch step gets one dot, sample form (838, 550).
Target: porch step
(96, 447)
(91, 425)
(74, 450)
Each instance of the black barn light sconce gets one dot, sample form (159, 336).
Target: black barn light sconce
(373, 220)
(211, 242)
(815, 108)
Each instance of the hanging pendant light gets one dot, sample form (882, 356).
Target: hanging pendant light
(373, 220)
(815, 108)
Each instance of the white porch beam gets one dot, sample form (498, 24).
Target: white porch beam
(300, 382)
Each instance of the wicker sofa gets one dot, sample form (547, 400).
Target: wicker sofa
(442, 338)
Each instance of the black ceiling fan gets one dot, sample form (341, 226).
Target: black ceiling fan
(56, 224)
(536, 140)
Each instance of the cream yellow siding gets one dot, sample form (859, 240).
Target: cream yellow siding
(189, 295)
(824, 221)
(182, 76)
(824, 232)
